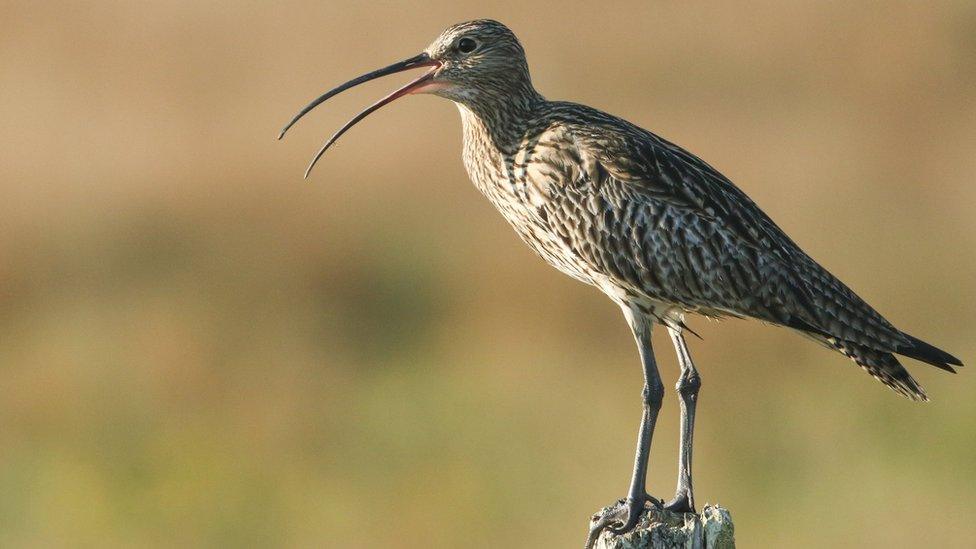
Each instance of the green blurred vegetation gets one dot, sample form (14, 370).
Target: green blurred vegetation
(197, 348)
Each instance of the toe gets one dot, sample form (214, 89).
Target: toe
(634, 508)
(601, 521)
(654, 501)
(682, 503)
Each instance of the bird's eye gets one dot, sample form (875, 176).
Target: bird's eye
(466, 45)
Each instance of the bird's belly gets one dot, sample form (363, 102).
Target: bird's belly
(560, 254)
(524, 211)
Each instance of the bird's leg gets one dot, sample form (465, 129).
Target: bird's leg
(687, 386)
(626, 513)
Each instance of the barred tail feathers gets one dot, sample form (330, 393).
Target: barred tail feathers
(884, 367)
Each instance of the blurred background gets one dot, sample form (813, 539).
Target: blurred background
(199, 348)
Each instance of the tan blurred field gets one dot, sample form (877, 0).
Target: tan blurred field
(198, 348)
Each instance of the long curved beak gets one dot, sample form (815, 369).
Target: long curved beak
(422, 60)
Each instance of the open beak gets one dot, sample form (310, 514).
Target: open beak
(422, 60)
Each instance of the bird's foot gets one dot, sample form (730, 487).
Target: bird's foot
(683, 502)
(624, 514)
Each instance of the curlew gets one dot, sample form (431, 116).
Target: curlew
(659, 231)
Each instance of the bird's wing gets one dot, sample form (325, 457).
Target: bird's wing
(729, 243)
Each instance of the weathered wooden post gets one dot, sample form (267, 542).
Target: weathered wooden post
(660, 529)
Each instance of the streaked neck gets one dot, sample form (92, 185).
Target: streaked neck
(501, 123)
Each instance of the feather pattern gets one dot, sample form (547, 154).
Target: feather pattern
(649, 223)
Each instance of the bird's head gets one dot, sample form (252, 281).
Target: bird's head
(480, 64)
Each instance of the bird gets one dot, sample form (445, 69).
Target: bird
(658, 230)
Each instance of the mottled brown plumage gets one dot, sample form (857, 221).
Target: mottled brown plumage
(658, 230)
(649, 223)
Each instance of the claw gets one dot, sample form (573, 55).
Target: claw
(598, 528)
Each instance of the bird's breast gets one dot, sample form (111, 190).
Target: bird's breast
(524, 187)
